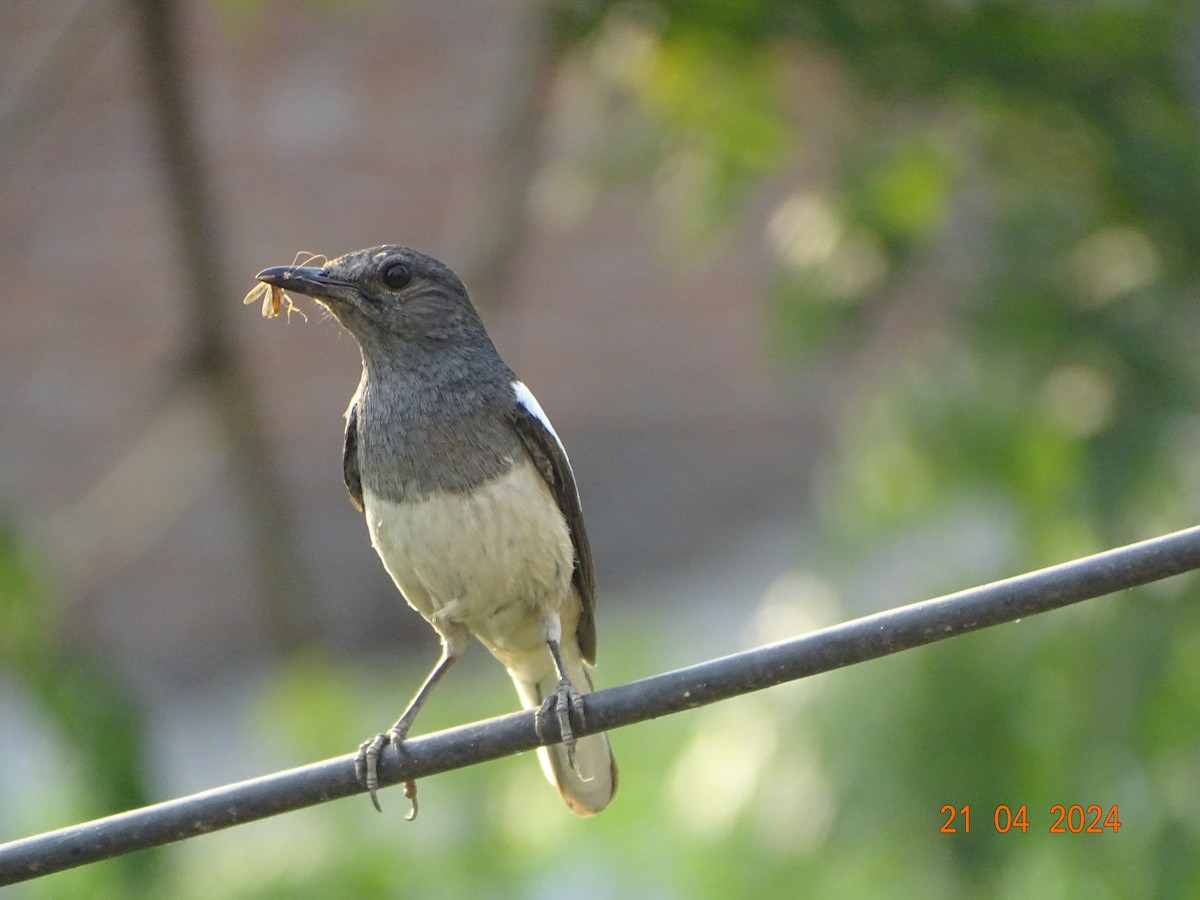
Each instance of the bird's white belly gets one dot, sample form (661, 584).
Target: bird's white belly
(496, 561)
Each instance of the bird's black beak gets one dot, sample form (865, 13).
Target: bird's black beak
(301, 279)
(307, 280)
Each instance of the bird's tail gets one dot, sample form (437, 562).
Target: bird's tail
(590, 784)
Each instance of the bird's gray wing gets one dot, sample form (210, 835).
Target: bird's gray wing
(350, 470)
(546, 451)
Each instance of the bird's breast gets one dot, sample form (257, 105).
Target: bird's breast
(409, 456)
(494, 558)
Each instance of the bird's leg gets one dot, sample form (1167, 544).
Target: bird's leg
(366, 763)
(565, 699)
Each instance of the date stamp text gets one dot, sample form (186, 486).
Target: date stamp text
(1059, 819)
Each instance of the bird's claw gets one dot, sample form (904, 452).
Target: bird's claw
(410, 791)
(366, 768)
(565, 700)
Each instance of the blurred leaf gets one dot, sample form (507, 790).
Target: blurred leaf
(92, 714)
(901, 189)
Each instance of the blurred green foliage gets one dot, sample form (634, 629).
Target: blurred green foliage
(1004, 253)
(93, 720)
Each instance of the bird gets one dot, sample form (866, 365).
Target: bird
(469, 498)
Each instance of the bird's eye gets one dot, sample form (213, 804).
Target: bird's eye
(397, 276)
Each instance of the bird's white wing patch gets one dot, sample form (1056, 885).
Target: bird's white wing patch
(529, 402)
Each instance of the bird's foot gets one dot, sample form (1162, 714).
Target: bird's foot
(561, 703)
(366, 765)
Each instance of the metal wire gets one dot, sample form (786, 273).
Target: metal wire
(720, 679)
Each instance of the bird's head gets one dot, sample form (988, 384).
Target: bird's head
(387, 294)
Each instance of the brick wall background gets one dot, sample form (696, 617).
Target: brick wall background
(328, 129)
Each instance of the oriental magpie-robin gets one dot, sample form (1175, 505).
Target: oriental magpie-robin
(469, 498)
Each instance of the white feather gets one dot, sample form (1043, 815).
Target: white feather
(526, 399)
